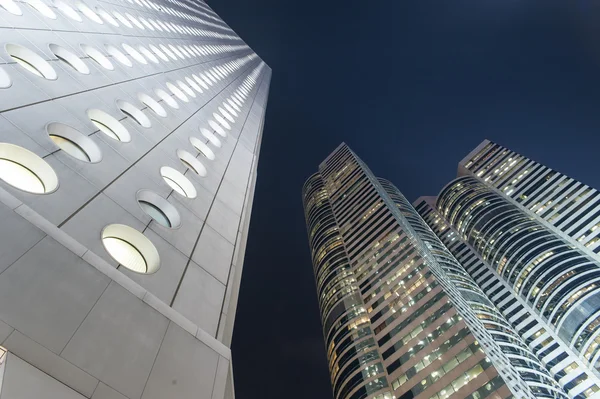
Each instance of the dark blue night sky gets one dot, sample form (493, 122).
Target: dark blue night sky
(412, 86)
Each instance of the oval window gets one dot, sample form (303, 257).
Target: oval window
(73, 142)
(92, 16)
(42, 8)
(202, 148)
(67, 10)
(192, 163)
(159, 53)
(98, 57)
(118, 55)
(152, 104)
(131, 111)
(178, 182)
(31, 61)
(25, 170)
(226, 115)
(69, 58)
(193, 84)
(11, 7)
(107, 17)
(217, 128)
(177, 92)
(186, 88)
(148, 54)
(214, 140)
(166, 97)
(109, 125)
(130, 248)
(134, 54)
(159, 209)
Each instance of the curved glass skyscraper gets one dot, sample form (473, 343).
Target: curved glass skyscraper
(401, 316)
(522, 231)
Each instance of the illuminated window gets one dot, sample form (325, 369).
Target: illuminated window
(131, 111)
(69, 58)
(178, 182)
(109, 125)
(166, 97)
(73, 142)
(31, 61)
(25, 170)
(192, 163)
(98, 57)
(158, 208)
(11, 7)
(153, 105)
(202, 148)
(130, 248)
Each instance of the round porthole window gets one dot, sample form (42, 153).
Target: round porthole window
(152, 104)
(202, 148)
(69, 58)
(31, 61)
(178, 182)
(158, 209)
(166, 97)
(130, 248)
(25, 170)
(131, 111)
(214, 140)
(5, 81)
(191, 162)
(11, 7)
(109, 125)
(118, 55)
(73, 142)
(217, 128)
(177, 92)
(134, 54)
(98, 57)
(42, 8)
(92, 16)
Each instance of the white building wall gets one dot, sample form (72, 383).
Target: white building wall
(75, 323)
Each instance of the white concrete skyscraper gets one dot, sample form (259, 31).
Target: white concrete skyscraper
(130, 133)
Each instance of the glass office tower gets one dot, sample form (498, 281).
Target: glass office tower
(401, 317)
(130, 133)
(526, 234)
